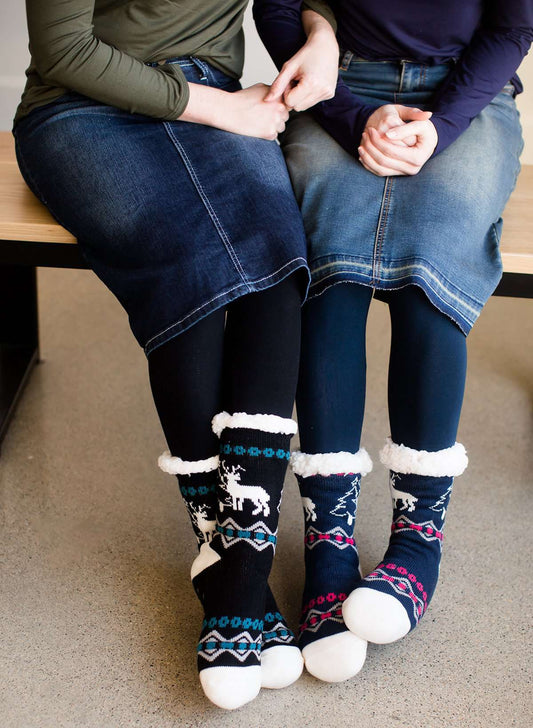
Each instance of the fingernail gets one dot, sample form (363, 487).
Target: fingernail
(392, 134)
(360, 150)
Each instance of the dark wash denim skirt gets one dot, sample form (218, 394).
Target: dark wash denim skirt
(439, 229)
(177, 219)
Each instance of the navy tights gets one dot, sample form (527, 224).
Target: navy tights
(427, 371)
(245, 362)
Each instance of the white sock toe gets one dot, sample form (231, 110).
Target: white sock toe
(231, 687)
(280, 666)
(335, 658)
(375, 616)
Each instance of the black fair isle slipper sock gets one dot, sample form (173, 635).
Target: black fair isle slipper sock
(231, 572)
(281, 662)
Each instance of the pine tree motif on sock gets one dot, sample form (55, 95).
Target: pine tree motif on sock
(331, 558)
(233, 586)
(409, 571)
(199, 492)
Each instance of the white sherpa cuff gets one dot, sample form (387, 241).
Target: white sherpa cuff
(330, 463)
(448, 462)
(264, 423)
(176, 466)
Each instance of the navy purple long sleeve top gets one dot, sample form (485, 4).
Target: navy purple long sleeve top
(488, 38)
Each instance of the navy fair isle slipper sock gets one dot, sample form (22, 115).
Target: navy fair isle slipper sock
(329, 487)
(392, 599)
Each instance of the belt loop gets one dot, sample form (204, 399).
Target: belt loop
(346, 60)
(202, 67)
(402, 74)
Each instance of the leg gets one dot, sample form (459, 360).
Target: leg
(186, 380)
(426, 384)
(331, 397)
(230, 575)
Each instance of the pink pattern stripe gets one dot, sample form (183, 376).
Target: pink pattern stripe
(399, 583)
(323, 599)
(312, 537)
(313, 621)
(415, 527)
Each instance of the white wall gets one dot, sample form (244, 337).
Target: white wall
(14, 59)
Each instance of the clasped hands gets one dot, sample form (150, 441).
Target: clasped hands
(397, 140)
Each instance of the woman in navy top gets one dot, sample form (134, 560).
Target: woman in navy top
(401, 177)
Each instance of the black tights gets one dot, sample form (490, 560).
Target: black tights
(246, 361)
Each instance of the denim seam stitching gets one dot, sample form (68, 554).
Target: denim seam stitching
(473, 304)
(207, 203)
(380, 231)
(220, 295)
(459, 318)
(432, 288)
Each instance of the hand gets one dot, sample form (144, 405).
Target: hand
(310, 76)
(242, 112)
(389, 116)
(252, 115)
(400, 150)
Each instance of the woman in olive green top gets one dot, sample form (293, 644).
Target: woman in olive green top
(135, 133)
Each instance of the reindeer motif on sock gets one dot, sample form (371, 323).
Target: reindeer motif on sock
(201, 520)
(399, 496)
(309, 509)
(238, 492)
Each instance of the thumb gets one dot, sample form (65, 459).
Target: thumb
(279, 85)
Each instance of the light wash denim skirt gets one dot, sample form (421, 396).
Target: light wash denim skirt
(439, 229)
(177, 219)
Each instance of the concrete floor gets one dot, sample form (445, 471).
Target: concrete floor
(98, 616)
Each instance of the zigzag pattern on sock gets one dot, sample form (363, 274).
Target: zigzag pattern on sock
(331, 558)
(198, 484)
(250, 479)
(393, 598)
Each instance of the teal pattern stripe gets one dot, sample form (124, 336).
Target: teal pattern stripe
(267, 452)
(201, 490)
(273, 617)
(239, 646)
(278, 633)
(235, 622)
(259, 536)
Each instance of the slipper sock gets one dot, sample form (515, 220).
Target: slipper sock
(198, 490)
(408, 574)
(331, 560)
(230, 576)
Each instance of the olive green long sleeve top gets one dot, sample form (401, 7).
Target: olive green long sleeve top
(100, 48)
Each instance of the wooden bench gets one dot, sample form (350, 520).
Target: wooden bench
(30, 237)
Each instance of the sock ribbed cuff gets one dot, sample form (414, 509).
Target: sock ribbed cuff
(450, 462)
(331, 463)
(263, 423)
(176, 466)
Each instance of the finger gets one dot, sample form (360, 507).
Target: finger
(372, 166)
(385, 161)
(408, 113)
(407, 154)
(305, 94)
(413, 128)
(280, 83)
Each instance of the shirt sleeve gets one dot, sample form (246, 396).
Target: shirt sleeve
(67, 54)
(280, 28)
(488, 63)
